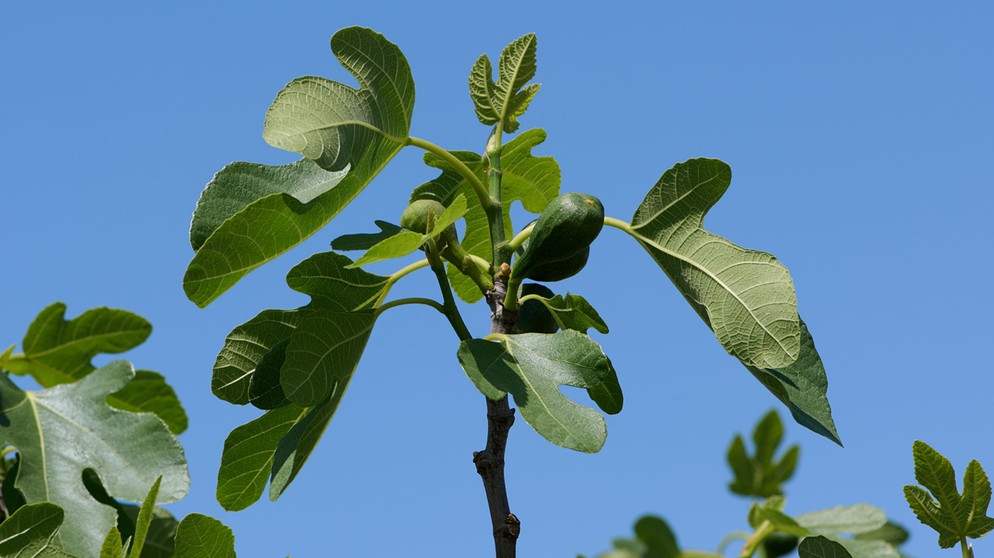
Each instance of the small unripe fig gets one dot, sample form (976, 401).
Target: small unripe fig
(533, 316)
(421, 215)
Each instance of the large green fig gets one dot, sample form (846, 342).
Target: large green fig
(533, 316)
(566, 228)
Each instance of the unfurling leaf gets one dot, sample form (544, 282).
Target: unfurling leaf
(508, 98)
(759, 475)
(252, 214)
(532, 366)
(746, 297)
(953, 515)
(62, 431)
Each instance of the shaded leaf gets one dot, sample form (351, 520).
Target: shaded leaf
(759, 475)
(531, 367)
(200, 536)
(338, 127)
(334, 284)
(507, 99)
(659, 539)
(942, 508)
(245, 347)
(803, 388)
(30, 532)
(533, 181)
(149, 393)
(365, 241)
(265, 391)
(574, 312)
(296, 446)
(64, 430)
(746, 297)
(323, 353)
(821, 547)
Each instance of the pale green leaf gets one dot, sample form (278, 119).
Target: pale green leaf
(406, 242)
(504, 101)
(531, 180)
(574, 312)
(57, 351)
(144, 520)
(855, 519)
(323, 353)
(30, 532)
(803, 388)
(62, 431)
(365, 241)
(363, 135)
(331, 123)
(160, 539)
(531, 367)
(238, 185)
(821, 547)
(746, 297)
(200, 536)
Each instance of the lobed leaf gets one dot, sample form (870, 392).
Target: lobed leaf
(62, 431)
(507, 99)
(30, 532)
(759, 475)
(534, 181)
(57, 351)
(200, 536)
(365, 241)
(746, 297)
(341, 129)
(531, 367)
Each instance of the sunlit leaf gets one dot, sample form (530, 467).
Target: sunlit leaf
(746, 297)
(406, 242)
(507, 98)
(338, 127)
(61, 431)
(574, 312)
(531, 367)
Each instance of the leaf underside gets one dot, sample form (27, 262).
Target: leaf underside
(250, 214)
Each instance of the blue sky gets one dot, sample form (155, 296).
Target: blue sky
(858, 137)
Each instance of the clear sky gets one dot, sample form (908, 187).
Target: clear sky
(859, 136)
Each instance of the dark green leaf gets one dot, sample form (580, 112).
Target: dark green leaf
(659, 539)
(296, 446)
(333, 124)
(333, 284)
(803, 388)
(12, 497)
(200, 536)
(821, 547)
(244, 349)
(531, 367)
(61, 431)
(533, 181)
(30, 532)
(365, 241)
(247, 458)
(57, 351)
(323, 353)
(265, 391)
(746, 297)
(952, 515)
